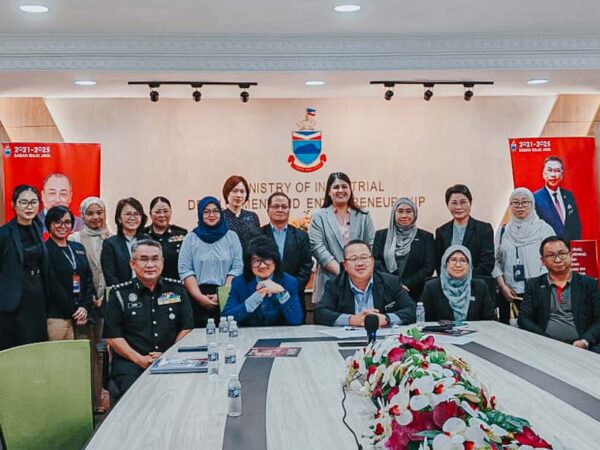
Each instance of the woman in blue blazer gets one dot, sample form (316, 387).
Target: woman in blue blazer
(263, 295)
(24, 273)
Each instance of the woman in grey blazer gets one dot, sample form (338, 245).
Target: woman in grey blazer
(338, 222)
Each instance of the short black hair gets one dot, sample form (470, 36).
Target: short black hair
(56, 175)
(17, 191)
(147, 241)
(355, 242)
(56, 213)
(553, 239)
(265, 248)
(554, 158)
(135, 204)
(458, 189)
(278, 194)
(160, 198)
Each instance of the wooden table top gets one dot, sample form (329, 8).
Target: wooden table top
(542, 380)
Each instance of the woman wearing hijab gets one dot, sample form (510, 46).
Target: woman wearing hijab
(92, 235)
(403, 249)
(455, 295)
(210, 257)
(338, 222)
(517, 250)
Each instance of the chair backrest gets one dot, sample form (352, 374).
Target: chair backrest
(46, 396)
(223, 293)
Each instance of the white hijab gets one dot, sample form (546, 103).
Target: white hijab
(528, 230)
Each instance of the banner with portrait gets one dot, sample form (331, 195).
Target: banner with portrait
(561, 173)
(64, 174)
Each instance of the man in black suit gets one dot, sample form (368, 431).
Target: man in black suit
(557, 206)
(359, 291)
(293, 244)
(562, 304)
(463, 229)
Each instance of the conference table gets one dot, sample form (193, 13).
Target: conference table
(295, 402)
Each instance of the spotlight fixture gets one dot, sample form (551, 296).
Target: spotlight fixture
(245, 96)
(197, 96)
(389, 93)
(468, 91)
(154, 95)
(196, 85)
(428, 91)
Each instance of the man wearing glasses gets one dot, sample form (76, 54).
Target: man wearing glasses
(359, 291)
(556, 206)
(562, 304)
(143, 317)
(293, 244)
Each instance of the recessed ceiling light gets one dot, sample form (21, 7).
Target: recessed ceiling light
(347, 8)
(537, 81)
(36, 9)
(314, 83)
(85, 82)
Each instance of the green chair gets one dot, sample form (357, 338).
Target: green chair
(223, 294)
(46, 396)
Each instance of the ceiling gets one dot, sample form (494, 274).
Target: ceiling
(280, 44)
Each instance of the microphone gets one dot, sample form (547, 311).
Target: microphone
(371, 325)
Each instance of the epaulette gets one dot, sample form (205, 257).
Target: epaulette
(121, 285)
(173, 280)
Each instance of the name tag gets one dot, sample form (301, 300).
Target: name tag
(136, 305)
(389, 306)
(168, 298)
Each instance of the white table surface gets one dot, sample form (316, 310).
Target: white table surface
(188, 411)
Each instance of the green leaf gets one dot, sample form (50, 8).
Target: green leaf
(437, 357)
(415, 333)
(429, 434)
(512, 424)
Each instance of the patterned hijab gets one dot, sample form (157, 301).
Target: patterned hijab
(399, 238)
(457, 290)
(525, 231)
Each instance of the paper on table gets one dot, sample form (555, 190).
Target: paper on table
(355, 332)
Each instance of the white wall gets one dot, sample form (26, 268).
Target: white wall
(185, 150)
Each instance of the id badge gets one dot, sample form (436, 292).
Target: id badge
(76, 284)
(519, 272)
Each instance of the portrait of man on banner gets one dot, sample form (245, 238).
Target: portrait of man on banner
(556, 205)
(57, 190)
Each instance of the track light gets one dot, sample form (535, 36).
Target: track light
(468, 92)
(197, 95)
(388, 94)
(244, 96)
(196, 85)
(428, 91)
(154, 96)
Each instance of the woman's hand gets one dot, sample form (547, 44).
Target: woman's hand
(268, 287)
(80, 316)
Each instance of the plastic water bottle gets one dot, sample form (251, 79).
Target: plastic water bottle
(223, 331)
(234, 397)
(230, 360)
(420, 315)
(213, 359)
(229, 319)
(233, 333)
(211, 331)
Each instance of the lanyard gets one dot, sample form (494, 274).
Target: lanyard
(71, 257)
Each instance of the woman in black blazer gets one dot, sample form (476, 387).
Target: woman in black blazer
(24, 273)
(67, 310)
(455, 295)
(405, 250)
(130, 219)
(463, 229)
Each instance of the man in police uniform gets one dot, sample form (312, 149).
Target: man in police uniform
(143, 317)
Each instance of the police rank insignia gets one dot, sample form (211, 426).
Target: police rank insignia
(306, 145)
(132, 297)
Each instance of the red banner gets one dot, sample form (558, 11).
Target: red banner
(71, 172)
(561, 173)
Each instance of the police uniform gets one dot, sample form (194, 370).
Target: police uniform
(170, 241)
(148, 321)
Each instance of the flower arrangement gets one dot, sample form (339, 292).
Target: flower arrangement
(428, 400)
(302, 222)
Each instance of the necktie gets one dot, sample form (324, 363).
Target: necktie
(558, 208)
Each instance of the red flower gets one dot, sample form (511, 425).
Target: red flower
(355, 365)
(392, 392)
(438, 389)
(379, 429)
(528, 437)
(402, 435)
(394, 410)
(396, 354)
(469, 445)
(371, 370)
(443, 411)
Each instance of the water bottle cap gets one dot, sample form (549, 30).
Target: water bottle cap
(229, 318)
(222, 318)
(211, 320)
(419, 303)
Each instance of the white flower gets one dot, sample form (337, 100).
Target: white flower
(419, 402)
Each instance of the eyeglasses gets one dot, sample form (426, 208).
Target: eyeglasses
(516, 203)
(131, 215)
(211, 212)
(63, 223)
(256, 262)
(560, 255)
(26, 204)
(362, 259)
(144, 261)
(462, 204)
(458, 261)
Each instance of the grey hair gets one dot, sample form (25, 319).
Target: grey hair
(149, 242)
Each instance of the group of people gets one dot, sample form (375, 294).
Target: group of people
(149, 285)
